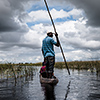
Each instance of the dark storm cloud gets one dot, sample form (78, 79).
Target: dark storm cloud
(91, 8)
(12, 46)
(10, 15)
(10, 37)
(13, 18)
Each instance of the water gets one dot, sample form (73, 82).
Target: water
(80, 85)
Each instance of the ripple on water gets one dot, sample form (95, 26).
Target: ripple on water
(80, 85)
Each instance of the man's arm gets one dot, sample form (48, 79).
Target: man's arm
(58, 43)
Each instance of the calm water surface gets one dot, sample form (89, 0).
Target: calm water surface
(80, 85)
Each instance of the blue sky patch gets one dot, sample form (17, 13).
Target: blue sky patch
(30, 24)
(65, 19)
(35, 8)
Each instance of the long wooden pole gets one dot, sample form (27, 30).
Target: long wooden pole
(56, 32)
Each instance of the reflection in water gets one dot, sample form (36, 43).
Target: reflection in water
(9, 90)
(83, 86)
(68, 90)
(48, 91)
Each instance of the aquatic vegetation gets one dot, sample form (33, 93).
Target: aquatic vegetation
(93, 66)
(19, 70)
(15, 71)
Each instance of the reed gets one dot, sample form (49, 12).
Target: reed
(87, 65)
(19, 70)
(15, 71)
(79, 65)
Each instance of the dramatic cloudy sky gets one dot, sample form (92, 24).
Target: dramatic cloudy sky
(24, 23)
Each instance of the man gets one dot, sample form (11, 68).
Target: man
(48, 52)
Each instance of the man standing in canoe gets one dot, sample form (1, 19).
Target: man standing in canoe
(48, 52)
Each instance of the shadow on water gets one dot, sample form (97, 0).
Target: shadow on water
(48, 91)
(68, 90)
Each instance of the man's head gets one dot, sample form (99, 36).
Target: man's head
(50, 34)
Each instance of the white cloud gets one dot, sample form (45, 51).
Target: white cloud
(19, 43)
(73, 37)
(31, 37)
(76, 55)
(42, 15)
(76, 13)
(39, 15)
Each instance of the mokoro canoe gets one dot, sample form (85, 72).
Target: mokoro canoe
(52, 81)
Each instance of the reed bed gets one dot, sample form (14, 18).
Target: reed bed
(15, 71)
(21, 70)
(93, 66)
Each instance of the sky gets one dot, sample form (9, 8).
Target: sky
(24, 24)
